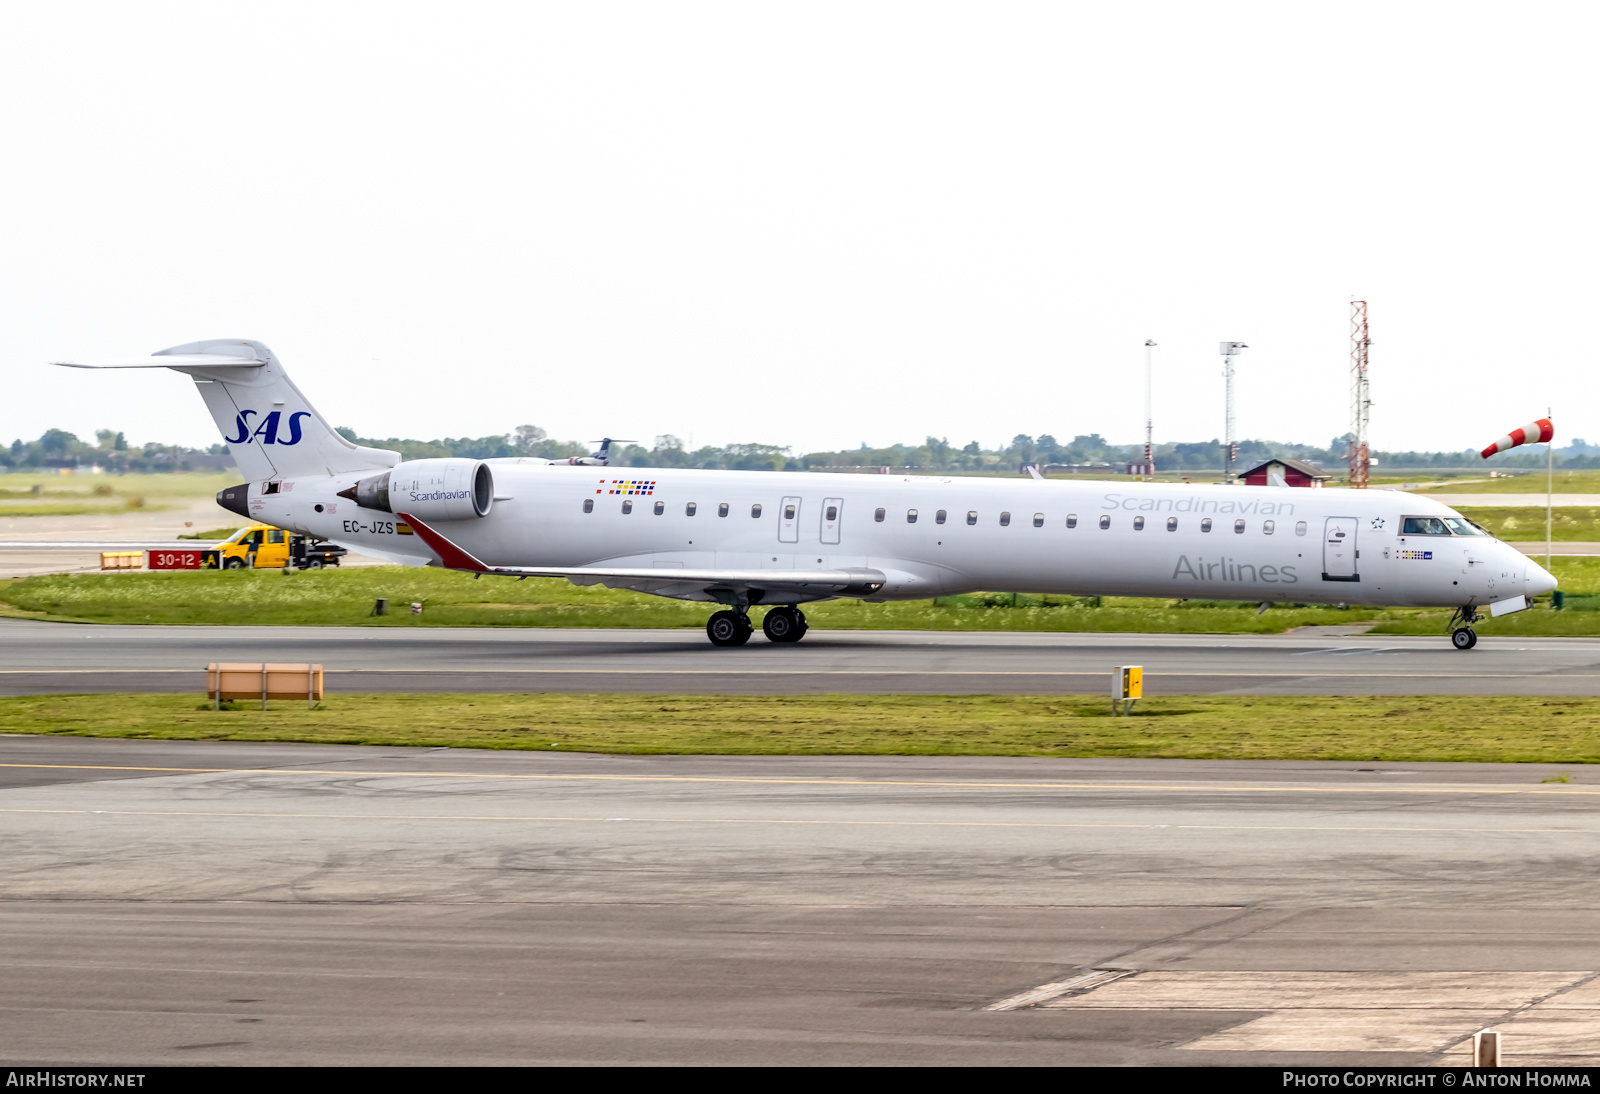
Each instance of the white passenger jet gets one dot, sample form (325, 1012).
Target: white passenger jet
(779, 540)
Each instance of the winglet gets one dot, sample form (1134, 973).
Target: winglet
(453, 557)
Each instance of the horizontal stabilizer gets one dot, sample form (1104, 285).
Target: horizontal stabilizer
(186, 360)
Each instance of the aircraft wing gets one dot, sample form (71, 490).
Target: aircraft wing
(849, 582)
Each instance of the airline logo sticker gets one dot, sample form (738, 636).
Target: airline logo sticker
(1414, 554)
(628, 486)
(267, 431)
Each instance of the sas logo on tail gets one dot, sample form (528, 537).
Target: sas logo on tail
(267, 431)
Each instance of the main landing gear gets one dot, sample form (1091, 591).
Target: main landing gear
(1463, 637)
(731, 628)
(784, 625)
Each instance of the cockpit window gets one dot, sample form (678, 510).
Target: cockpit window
(1462, 527)
(1424, 526)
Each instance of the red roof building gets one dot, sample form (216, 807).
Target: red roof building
(1283, 471)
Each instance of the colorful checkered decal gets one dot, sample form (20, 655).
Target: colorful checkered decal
(1415, 554)
(628, 486)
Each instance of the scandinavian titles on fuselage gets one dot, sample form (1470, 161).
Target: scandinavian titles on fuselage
(1199, 505)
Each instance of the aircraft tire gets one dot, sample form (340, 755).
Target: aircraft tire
(784, 624)
(1464, 638)
(727, 628)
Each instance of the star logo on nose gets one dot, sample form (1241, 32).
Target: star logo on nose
(1377, 522)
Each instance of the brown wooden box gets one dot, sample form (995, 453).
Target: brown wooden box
(263, 681)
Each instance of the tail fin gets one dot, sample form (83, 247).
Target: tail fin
(271, 430)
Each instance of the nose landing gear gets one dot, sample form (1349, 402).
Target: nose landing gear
(1463, 637)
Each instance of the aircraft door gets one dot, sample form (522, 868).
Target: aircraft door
(832, 511)
(789, 521)
(1339, 552)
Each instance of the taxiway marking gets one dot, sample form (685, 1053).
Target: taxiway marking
(1163, 788)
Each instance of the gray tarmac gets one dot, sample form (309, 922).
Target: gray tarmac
(223, 903)
(41, 658)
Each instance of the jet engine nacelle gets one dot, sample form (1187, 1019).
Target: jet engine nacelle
(443, 489)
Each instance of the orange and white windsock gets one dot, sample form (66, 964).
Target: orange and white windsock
(1533, 433)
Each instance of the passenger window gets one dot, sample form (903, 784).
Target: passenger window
(877, 515)
(833, 512)
(1267, 526)
(1005, 520)
(688, 510)
(755, 511)
(255, 537)
(1105, 522)
(275, 536)
(1424, 526)
(972, 516)
(1072, 520)
(1138, 524)
(627, 505)
(588, 505)
(911, 516)
(722, 510)
(661, 507)
(1172, 524)
(1238, 527)
(1205, 524)
(938, 518)
(1300, 528)
(788, 512)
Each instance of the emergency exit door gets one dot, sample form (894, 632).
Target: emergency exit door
(1339, 552)
(832, 511)
(789, 521)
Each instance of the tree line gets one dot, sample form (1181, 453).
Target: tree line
(57, 448)
(111, 450)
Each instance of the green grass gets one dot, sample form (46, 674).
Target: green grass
(1522, 524)
(178, 484)
(1361, 728)
(67, 509)
(345, 598)
(1532, 482)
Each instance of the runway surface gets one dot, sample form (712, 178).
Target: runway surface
(218, 903)
(38, 658)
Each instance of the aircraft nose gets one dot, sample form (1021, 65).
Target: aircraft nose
(1537, 579)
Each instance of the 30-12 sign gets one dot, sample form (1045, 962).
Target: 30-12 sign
(174, 560)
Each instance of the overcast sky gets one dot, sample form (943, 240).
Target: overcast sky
(807, 224)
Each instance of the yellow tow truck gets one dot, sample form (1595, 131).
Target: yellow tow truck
(263, 547)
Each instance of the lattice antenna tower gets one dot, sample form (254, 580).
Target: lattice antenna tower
(1149, 416)
(1360, 396)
